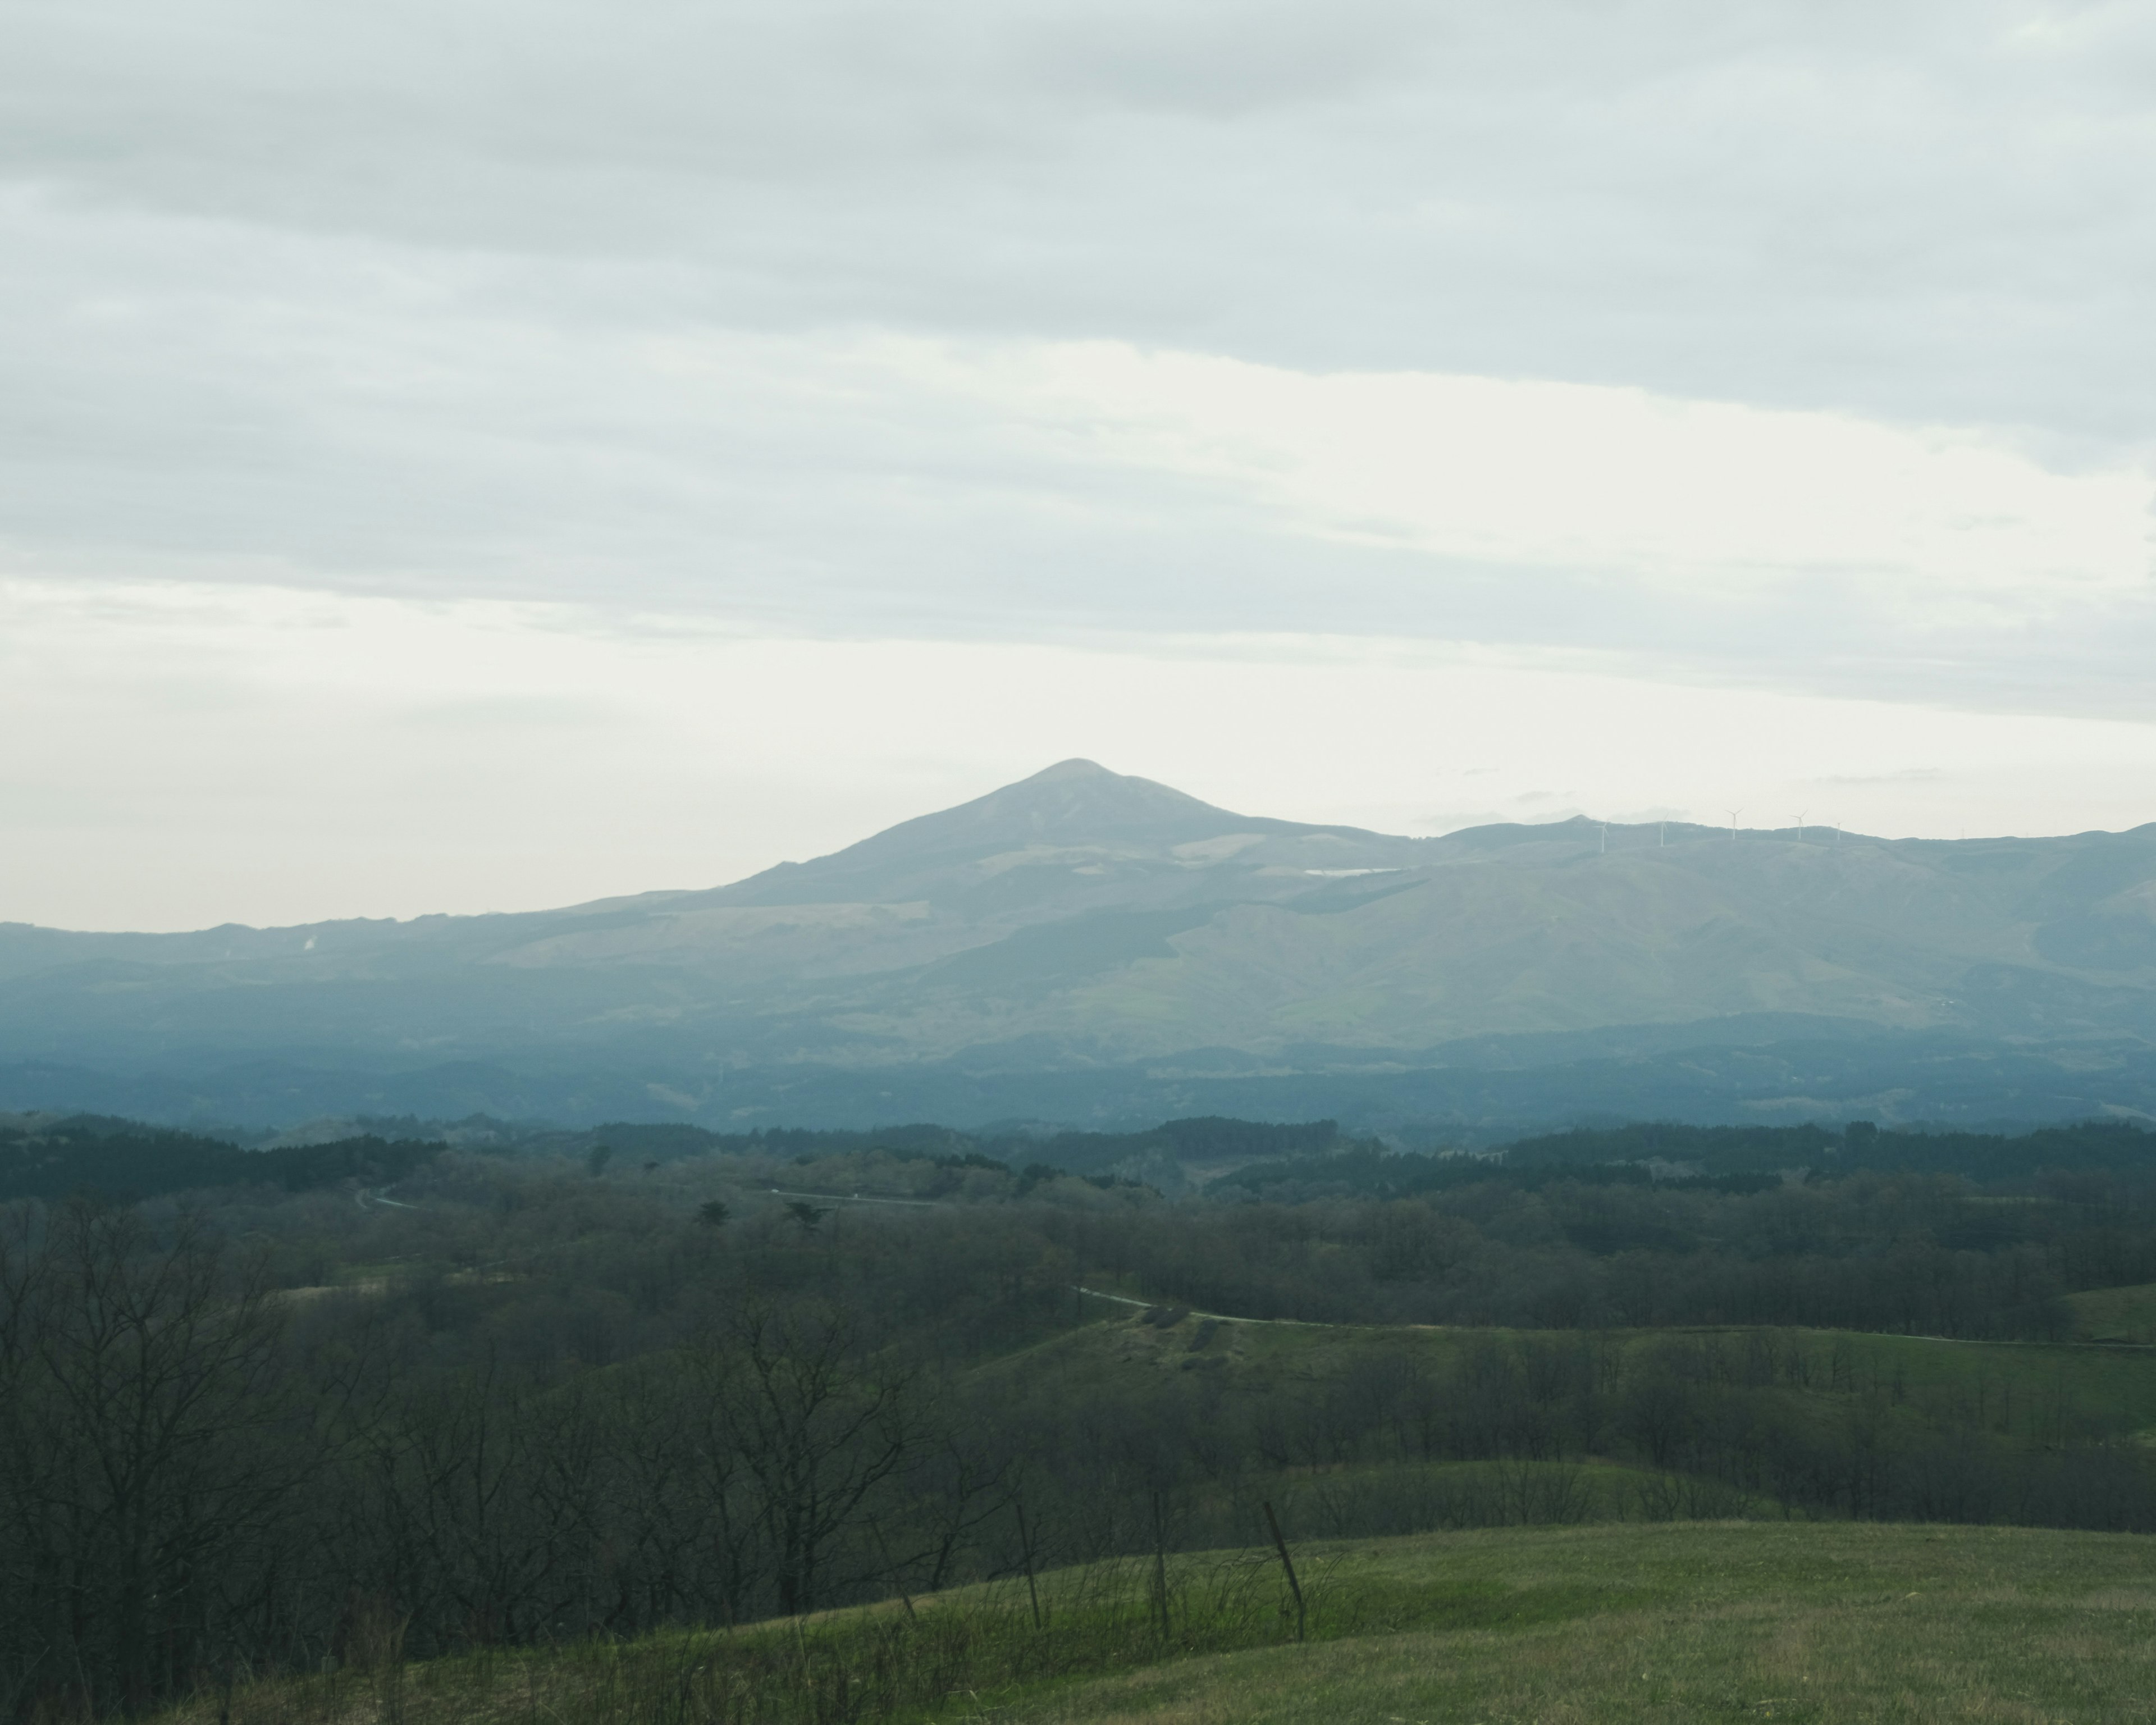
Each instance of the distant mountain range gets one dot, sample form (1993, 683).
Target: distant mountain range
(1083, 946)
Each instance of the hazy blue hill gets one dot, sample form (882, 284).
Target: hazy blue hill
(1082, 921)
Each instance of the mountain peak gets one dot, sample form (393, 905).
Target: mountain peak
(1075, 802)
(1077, 767)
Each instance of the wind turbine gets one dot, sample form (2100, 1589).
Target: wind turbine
(1605, 839)
(1733, 814)
(1801, 826)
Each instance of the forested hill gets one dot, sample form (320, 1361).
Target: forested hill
(55, 1158)
(2114, 1146)
(1226, 1159)
(550, 1398)
(588, 1385)
(122, 1159)
(1314, 1156)
(1723, 1159)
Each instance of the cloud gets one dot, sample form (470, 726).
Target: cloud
(1707, 501)
(283, 414)
(1932, 214)
(1907, 775)
(520, 713)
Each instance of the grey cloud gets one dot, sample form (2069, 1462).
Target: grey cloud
(382, 297)
(512, 712)
(1934, 211)
(1907, 775)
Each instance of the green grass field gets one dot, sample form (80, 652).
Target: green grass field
(2116, 1314)
(1677, 1623)
(2070, 1391)
(1829, 1621)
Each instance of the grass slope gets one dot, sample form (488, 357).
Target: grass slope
(2116, 1314)
(2045, 1391)
(1827, 1621)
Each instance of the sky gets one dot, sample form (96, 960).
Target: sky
(469, 457)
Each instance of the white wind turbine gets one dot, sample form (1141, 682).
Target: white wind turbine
(1733, 814)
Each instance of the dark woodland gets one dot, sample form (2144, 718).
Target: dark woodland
(256, 1405)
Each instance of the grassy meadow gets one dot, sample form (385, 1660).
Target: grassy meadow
(1816, 1621)
(2040, 1391)
(2118, 1316)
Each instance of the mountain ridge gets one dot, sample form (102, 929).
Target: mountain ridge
(1081, 918)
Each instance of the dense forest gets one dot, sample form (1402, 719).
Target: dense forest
(258, 1406)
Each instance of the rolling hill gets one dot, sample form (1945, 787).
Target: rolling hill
(1082, 943)
(1805, 1621)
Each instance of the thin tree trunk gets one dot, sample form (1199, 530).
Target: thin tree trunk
(1287, 1564)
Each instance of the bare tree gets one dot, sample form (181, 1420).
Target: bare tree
(141, 1445)
(819, 1423)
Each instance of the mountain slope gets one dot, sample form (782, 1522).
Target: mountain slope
(1081, 916)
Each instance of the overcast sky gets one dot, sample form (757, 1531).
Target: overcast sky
(470, 456)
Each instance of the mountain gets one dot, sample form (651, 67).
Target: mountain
(1082, 921)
